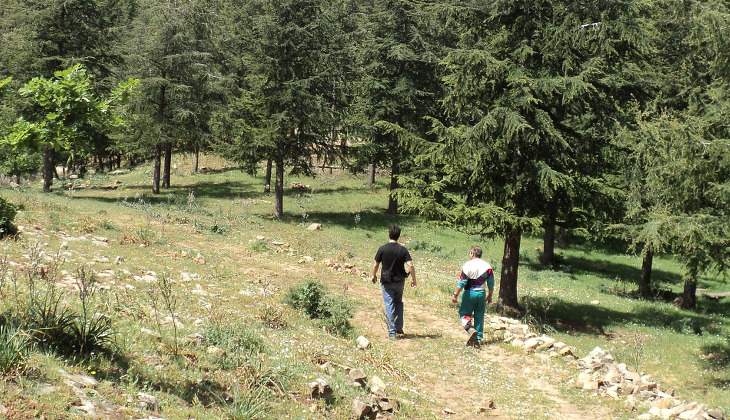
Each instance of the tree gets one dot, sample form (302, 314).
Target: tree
(400, 84)
(173, 75)
(535, 91)
(42, 37)
(284, 111)
(69, 114)
(679, 158)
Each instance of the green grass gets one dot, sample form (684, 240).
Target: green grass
(231, 264)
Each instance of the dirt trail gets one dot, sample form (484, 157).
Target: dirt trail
(540, 374)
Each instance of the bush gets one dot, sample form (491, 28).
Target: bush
(14, 348)
(7, 215)
(333, 313)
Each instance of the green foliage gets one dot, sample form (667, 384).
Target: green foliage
(235, 338)
(15, 346)
(7, 215)
(313, 299)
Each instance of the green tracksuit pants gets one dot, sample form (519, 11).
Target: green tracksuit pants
(474, 303)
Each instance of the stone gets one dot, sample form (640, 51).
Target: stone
(151, 333)
(583, 378)
(315, 226)
(375, 381)
(147, 401)
(486, 405)
(215, 351)
(633, 377)
(327, 367)
(362, 408)
(199, 259)
(690, 415)
(196, 338)
(630, 404)
(363, 342)
(320, 389)
(559, 346)
(612, 377)
(613, 392)
(566, 351)
(531, 344)
(357, 376)
(715, 414)
(591, 385)
(547, 342)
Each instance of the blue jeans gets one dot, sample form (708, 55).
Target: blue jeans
(393, 299)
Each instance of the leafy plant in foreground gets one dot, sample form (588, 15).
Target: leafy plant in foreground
(15, 346)
(332, 312)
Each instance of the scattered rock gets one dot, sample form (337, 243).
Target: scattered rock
(151, 333)
(147, 401)
(363, 342)
(320, 389)
(486, 405)
(216, 351)
(363, 408)
(357, 376)
(315, 226)
(376, 382)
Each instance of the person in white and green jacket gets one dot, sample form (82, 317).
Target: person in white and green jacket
(477, 282)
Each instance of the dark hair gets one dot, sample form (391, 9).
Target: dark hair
(394, 232)
(477, 251)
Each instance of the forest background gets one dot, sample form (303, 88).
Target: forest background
(601, 121)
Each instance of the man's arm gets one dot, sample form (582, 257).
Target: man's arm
(412, 270)
(375, 272)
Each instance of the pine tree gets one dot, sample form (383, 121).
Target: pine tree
(535, 90)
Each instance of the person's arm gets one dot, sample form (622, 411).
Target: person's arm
(459, 287)
(490, 286)
(375, 272)
(455, 296)
(412, 270)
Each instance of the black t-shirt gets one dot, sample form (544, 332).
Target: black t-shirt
(389, 253)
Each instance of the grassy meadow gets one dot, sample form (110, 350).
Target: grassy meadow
(194, 296)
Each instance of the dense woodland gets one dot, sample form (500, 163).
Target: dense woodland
(606, 119)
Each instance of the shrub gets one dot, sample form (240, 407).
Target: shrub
(7, 215)
(333, 313)
(14, 348)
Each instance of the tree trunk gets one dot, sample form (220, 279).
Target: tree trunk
(689, 296)
(507, 302)
(645, 277)
(196, 160)
(49, 169)
(168, 161)
(156, 170)
(119, 161)
(548, 242)
(279, 186)
(371, 177)
(267, 177)
(100, 164)
(392, 201)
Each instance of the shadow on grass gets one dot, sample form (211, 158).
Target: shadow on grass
(189, 390)
(595, 319)
(612, 270)
(717, 355)
(369, 220)
(416, 336)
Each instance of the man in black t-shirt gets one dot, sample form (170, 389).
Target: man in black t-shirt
(395, 259)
